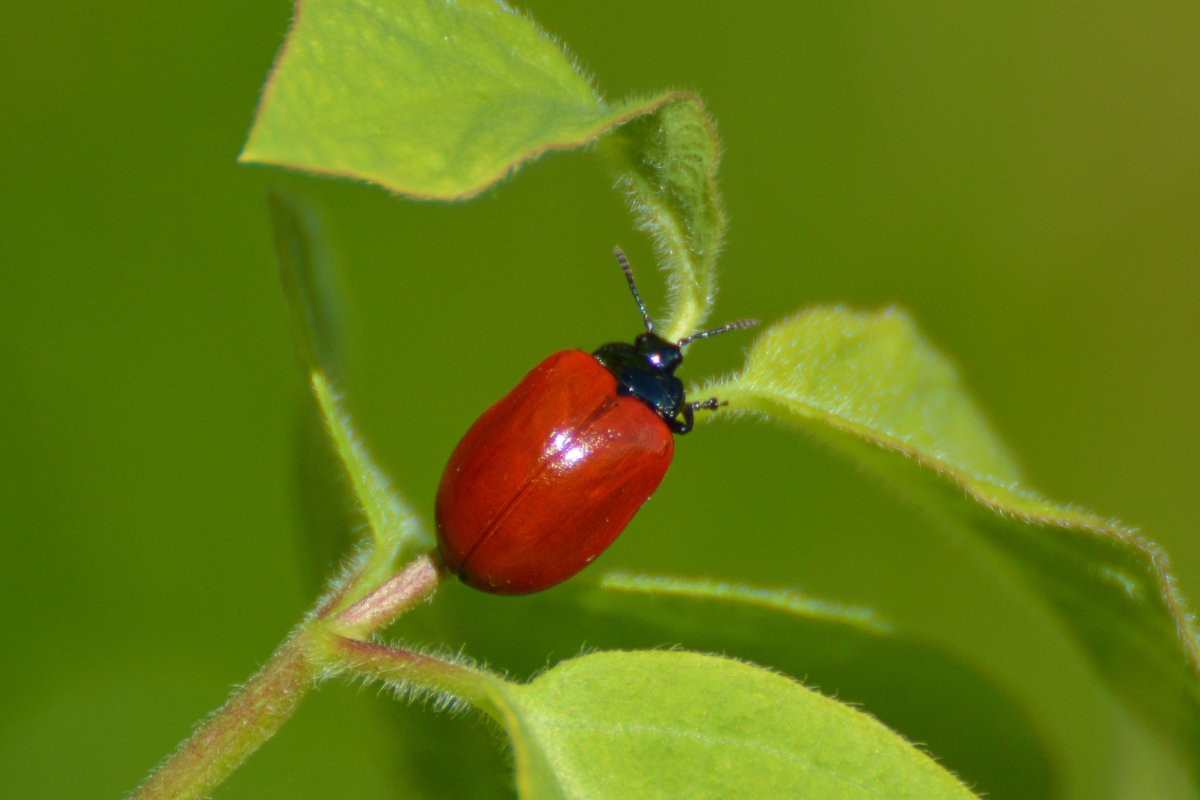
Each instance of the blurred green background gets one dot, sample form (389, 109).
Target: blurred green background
(1024, 178)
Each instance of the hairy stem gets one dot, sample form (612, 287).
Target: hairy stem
(405, 669)
(255, 711)
(412, 585)
(249, 718)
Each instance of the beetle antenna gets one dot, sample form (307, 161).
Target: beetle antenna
(741, 324)
(628, 270)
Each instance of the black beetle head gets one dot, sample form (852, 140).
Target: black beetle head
(658, 352)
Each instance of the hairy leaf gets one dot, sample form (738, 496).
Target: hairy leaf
(308, 275)
(305, 272)
(662, 724)
(441, 100)
(309, 280)
(428, 98)
(667, 164)
(980, 727)
(871, 385)
(783, 601)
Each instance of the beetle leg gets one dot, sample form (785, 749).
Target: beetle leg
(684, 426)
(689, 412)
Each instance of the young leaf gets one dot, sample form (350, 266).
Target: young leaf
(309, 281)
(653, 724)
(305, 272)
(871, 385)
(441, 100)
(783, 601)
(396, 532)
(667, 164)
(308, 276)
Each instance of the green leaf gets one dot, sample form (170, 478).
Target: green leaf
(978, 728)
(672, 724)
(427, 98)
(441, 100)
(665, 724)
(309, 278)
(667, 164)
(871, 385)
(396, 532)
(783, 601)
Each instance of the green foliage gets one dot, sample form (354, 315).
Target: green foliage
(309, 281)
(666, 162)
(874, 376)
(314, 303)
(781, 601)
(306, 273)
(429, 99)
(670, 724)
(389, 522)
(441, 101)
(872, 386)
(658, 724)
(874, 664)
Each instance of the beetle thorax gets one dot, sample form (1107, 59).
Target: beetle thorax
(645, 369)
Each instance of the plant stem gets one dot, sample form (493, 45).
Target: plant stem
(408, 587)
(404, 669)
(258, 709)
(249, 718)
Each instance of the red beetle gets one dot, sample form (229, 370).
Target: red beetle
(548, 477)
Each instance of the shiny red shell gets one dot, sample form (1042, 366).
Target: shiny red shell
(548, 477)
